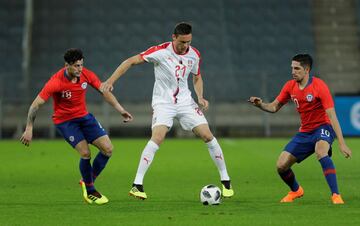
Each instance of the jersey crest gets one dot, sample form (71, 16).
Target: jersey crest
(309, 97)
(190, 63)
(84, 85)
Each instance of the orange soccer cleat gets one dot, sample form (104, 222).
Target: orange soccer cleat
(336, 199)
(292, 195)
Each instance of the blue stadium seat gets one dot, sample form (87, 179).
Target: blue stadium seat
(240, 42)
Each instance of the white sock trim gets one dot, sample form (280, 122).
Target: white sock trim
(153, 144)
(212, 143)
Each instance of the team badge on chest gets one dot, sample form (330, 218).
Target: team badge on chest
(309, 97)
(190, 63)
(84, 85)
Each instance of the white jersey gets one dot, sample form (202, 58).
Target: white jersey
(171, 73)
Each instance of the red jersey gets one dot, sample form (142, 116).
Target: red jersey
(69, 98)
(311, 102)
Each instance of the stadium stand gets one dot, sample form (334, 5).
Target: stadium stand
(246, 47)
(11, 23)
(336, 26)
(244, 33)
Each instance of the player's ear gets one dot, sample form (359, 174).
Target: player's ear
(174, 37)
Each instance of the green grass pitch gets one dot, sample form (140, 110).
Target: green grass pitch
(39, 186)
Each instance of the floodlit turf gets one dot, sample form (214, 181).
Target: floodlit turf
(39, 186)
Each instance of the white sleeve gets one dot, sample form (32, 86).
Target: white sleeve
(196, 68)
(153, 54)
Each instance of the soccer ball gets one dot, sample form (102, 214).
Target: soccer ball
(210, 195)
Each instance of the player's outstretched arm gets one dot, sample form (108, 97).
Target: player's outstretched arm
(268, 107)
(337, 128)
(120, 70)
(111, 99)
(27, 135)
(199, 89)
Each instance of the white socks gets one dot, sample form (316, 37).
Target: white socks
(218, 158)
(151, 147)
(146, 159)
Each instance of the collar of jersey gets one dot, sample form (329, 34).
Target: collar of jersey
(172, 44)
(310, 81)
(67, 76)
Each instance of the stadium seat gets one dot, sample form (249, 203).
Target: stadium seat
(235, 38)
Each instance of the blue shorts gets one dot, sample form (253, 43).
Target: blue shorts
(302, 144)
(78, 129)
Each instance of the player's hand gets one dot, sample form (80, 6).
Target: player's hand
(127, 116)
(203, 103)
(26, 137)
(345, 150)
(256, 101)
(106, 87)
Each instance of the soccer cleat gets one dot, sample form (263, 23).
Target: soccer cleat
(227, 190)
(292, 195)
(94, 197)
(336, 199)
(84, 191)
(97, 198)
(138, 192)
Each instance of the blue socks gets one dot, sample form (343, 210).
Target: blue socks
(99, 164)
(289, 178)
(329, 173)
(86, 173)
(89, 173)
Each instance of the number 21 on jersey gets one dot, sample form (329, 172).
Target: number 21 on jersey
(180, 70)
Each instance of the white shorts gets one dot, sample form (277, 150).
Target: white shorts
(189, 116)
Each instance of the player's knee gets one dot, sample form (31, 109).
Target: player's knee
(158, 139)
(320, 155)
(321, 149)
(281, 167)
(108, 149)
(207, 138)
(86, 154)
(203, 131)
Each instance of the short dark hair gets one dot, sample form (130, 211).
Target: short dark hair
(72, 55)
(304, 60)
(182, 28)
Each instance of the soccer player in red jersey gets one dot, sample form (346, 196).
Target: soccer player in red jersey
(68, 87)
(319, 126)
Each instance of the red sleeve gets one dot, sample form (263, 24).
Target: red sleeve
(325, 95)
(284, 95)
(92, 78)
(51, 87)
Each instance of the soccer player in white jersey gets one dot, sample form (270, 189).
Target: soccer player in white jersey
(173, 63)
